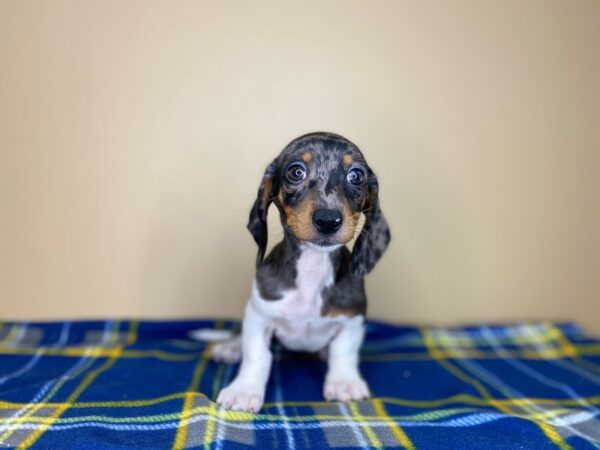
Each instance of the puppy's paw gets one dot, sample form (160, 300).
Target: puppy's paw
(241, 398)
(228, 352)
(346, 390)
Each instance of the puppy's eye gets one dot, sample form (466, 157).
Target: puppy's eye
(296, 173)
(355, 176)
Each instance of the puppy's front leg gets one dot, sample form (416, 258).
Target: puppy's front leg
(343, 381)
(247, 391)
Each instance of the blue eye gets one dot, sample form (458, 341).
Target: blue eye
(355, 176)
(296, 172)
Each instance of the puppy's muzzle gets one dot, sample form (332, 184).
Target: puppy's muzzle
(327, 221)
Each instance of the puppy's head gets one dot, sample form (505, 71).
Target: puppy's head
(321, 184)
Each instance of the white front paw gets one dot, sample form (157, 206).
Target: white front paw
(238, 398)
(346, 390)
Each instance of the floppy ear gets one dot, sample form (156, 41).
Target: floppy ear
(257, 224)
(375, 234)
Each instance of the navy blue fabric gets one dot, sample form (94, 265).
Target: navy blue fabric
(128, 384)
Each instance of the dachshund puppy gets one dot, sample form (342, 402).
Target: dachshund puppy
(309, 291)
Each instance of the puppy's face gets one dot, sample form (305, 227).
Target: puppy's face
(321, 191)
(321, 184)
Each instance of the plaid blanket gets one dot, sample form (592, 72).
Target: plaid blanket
(117, 385)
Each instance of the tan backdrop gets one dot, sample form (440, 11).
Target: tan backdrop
(133, 136)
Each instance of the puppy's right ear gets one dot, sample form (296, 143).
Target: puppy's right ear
(257, 224)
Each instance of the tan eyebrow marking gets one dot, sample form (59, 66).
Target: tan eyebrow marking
(307, 157)
(348, 160)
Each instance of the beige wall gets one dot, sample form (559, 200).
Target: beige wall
(133, 136)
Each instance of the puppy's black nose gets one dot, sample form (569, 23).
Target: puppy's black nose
(327, 221)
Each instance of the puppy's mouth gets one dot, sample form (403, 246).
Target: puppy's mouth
(326, 242)
(323, 246)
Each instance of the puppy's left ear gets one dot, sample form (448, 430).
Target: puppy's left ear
(257, 224)
(375, 234)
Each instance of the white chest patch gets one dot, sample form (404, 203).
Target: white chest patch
(296, 318)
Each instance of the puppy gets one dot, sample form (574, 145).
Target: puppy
(309, 291)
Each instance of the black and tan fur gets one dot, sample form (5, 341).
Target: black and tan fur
(328, 158)
(309, 291)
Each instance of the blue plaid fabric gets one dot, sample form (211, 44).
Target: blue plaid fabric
(124, 385)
